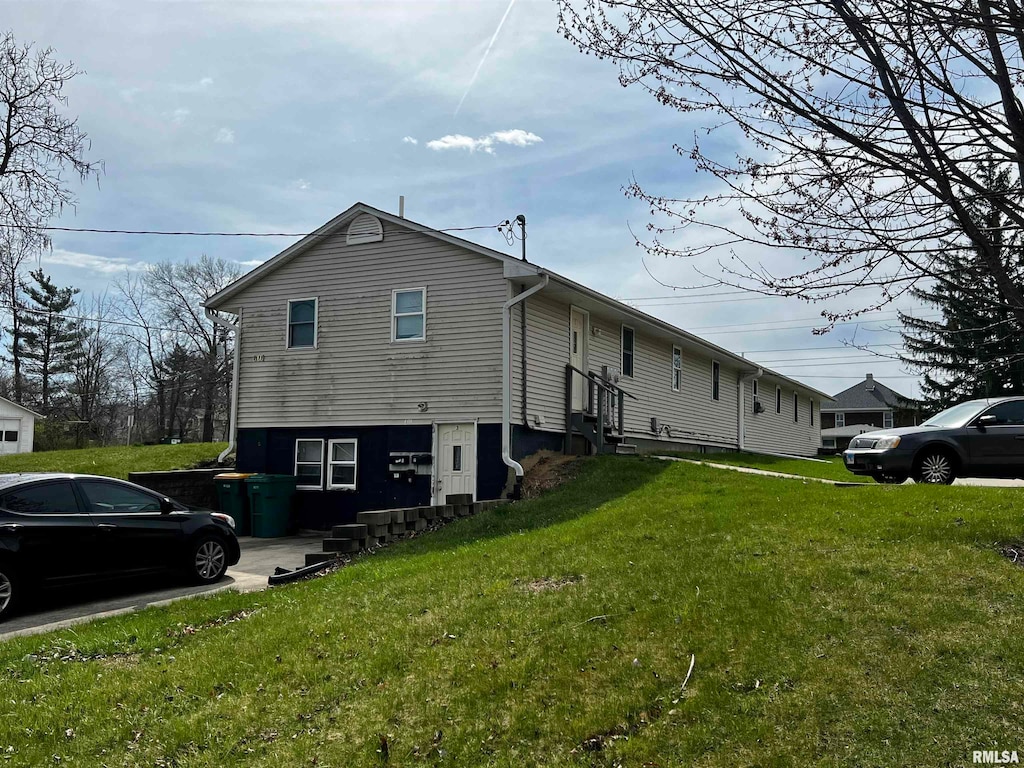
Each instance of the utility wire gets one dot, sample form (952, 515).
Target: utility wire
(209, 234)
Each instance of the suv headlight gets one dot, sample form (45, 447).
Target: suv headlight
(223, 518)
(886, 443)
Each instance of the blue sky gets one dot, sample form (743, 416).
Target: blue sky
(268, 116)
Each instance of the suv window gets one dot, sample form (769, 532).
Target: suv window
(1008, 413)
(46, 499)
(111, 498)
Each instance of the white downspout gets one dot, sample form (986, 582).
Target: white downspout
(506, 375)
(741, 411)
(232, 424)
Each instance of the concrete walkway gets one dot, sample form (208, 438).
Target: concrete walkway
(64, 608)
(981, 482)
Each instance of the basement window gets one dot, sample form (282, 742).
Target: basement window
(309, 464)
(409, 314)
(341, 464)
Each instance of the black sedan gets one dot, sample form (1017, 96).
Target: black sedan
(58, 529)
(978, 438)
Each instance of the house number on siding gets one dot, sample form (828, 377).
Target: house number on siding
(258, 358)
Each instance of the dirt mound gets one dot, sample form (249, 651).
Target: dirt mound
(546, 470)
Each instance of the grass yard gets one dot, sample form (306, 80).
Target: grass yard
(831, 468)
(113, 462)
(828, 627)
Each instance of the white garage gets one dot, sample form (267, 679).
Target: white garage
(17, 427)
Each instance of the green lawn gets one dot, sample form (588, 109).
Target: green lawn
(831, 468)
(113, 462)
(828, 627)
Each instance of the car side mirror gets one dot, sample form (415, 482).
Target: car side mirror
(988, 420)
(166, 506)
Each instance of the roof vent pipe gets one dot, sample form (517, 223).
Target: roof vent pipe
(401, 206)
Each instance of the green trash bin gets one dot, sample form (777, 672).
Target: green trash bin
(270, 501)
(234, 499)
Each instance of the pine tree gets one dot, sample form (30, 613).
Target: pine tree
(977, 348)
(51, 339)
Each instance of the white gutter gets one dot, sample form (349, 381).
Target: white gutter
(237, 328)
(506, 375)
(741, 408)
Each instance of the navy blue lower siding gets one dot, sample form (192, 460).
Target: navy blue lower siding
(272, 450)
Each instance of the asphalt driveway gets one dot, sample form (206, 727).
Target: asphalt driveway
(63, 608)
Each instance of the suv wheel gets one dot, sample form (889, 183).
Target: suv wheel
(935, 466)
(208, 561)
(10, 590)
(890, 478)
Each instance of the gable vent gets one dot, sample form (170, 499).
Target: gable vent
(364, 229)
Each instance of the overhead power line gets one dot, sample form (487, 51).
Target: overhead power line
(183, 233)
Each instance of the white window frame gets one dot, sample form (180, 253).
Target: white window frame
(330, 464)
(753, 395)
(796, 407)
(778, 400)
(622, 351)
(716, 380)
(811, 401)
(828, 442)
(320, 463)
(840, 419)
(887, 416)
(316, 323)
(677, 370)
(395, 315)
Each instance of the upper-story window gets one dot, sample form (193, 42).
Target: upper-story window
(302, 323)
(753, 392)
(840, 419)
(811, 401)
(796, 407)
(409, 314)
(887, 420)
(716, 376)
(677, 369)
(778, 399)
(628, 341)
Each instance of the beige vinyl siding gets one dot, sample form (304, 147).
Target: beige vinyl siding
(773, 432)
(690, 413)
(357, 375)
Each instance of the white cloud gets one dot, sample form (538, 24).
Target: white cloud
(301, 184)
(225, 136)
(251, 264)
(516, 137)
(89, 261)
(196, 87)
(129, 94)
(409, 140)
(179, 115)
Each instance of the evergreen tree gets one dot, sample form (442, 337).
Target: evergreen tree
(51, 339)
(977, 348)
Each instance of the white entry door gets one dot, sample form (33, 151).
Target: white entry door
(578, 356)
(455, 465)
(10, 435)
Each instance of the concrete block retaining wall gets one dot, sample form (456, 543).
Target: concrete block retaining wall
(194, 487)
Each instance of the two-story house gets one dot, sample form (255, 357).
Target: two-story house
(864, 407)
(387, 364)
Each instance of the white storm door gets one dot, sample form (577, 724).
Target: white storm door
(456, 464)
(578, 356)
(10, 436)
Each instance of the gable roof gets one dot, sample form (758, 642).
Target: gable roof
(867, 395)
(22, 408)
(514, 267)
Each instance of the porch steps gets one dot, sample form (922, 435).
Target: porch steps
(380, 527)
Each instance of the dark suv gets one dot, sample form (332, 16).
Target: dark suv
(57, 528)
(978, 438)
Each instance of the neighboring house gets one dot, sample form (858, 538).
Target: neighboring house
(866, 406)
(387, 364)
(17, 427)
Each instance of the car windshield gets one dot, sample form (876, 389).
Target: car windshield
(958, 415)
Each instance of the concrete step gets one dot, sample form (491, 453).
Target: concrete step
(343, 545)
(379, 517)
(626, 449)
(349, 531)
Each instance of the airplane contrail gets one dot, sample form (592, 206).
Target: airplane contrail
(484, 57)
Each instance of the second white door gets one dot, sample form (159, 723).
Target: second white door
(456, 461)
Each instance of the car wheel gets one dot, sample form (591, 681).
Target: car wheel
(889, 478)
(209, 560)
(935, 467)
(10, 590)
